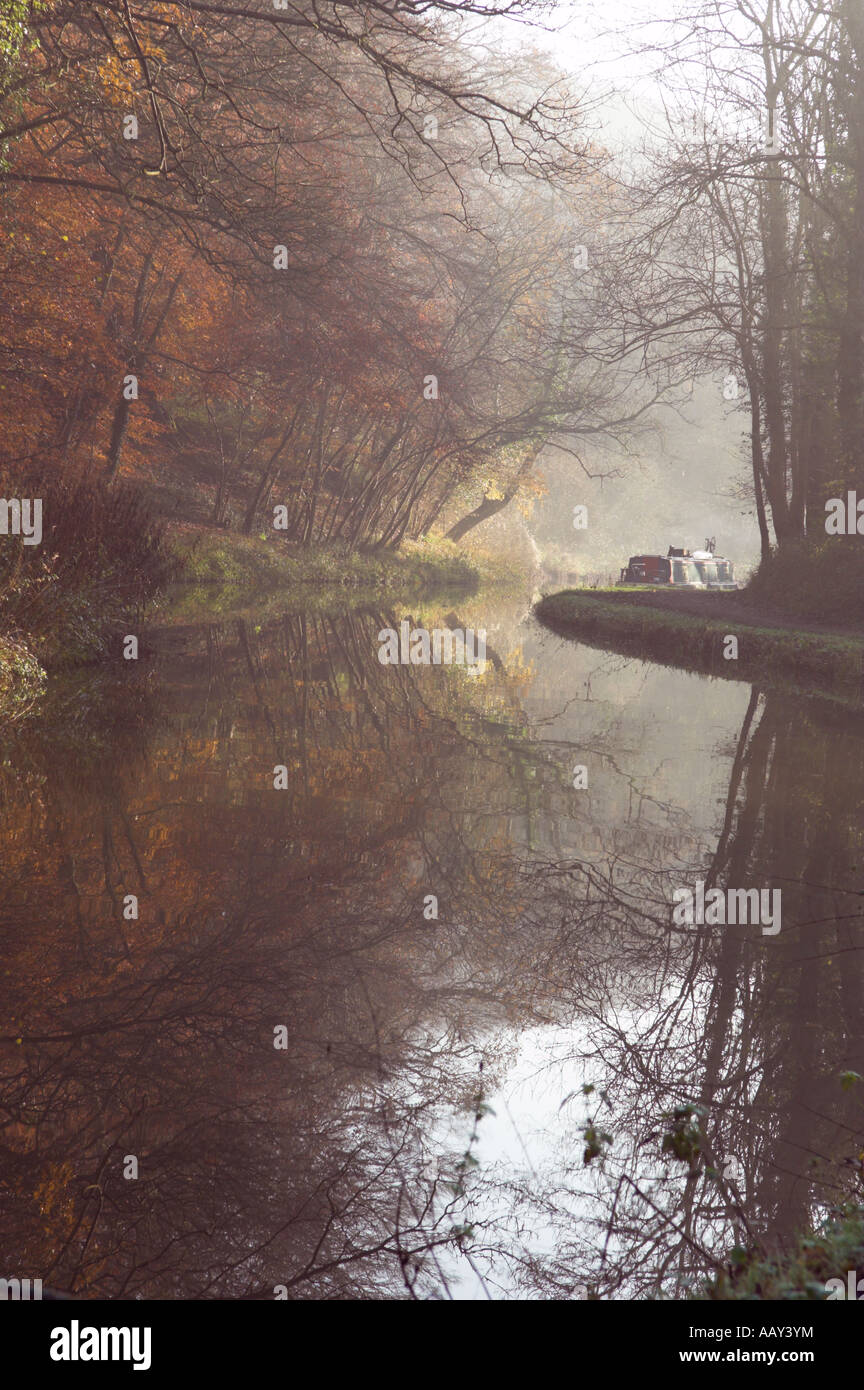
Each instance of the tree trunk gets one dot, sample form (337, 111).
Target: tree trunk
(119, 430)
(488, 507)
(850, 355)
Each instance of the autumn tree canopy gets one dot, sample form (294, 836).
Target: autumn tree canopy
(296, 256)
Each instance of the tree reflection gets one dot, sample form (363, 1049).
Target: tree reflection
(350, 1161)
(748, 1036)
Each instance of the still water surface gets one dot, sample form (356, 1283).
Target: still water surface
(330, 1092)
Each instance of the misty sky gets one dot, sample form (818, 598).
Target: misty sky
(680, 484)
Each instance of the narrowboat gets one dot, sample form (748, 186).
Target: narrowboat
(681, 569)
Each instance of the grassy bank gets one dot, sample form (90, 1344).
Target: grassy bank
(798, 658)
(219, 570)
(107, 566)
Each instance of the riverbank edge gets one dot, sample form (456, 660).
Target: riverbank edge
(233, 565)
(802, 659)
(217, 571)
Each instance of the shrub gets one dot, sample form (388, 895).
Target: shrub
(823, 580)
(102, 553)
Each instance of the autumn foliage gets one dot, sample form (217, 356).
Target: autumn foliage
(300, 259)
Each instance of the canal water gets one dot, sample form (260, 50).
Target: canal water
(411, 1016)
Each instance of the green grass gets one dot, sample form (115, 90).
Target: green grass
(795, 658)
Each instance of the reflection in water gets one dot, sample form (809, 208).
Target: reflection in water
(329, 1089)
